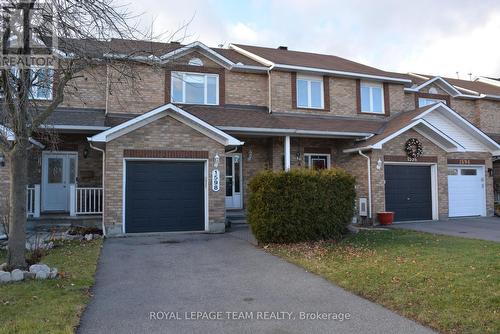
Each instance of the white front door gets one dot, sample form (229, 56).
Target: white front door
(58, 172)
(466, 192)
(234, 200)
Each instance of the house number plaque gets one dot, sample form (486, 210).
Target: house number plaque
(215, 180)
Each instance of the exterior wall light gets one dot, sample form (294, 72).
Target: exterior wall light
(379, 164)
(250, 155)
(2, 160)
(216, 160)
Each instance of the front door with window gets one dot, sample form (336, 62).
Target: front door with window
(233, 182)
(58, 173)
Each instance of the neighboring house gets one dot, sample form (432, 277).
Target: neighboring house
(175, 151)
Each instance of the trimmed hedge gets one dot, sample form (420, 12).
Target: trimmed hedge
(300, 205)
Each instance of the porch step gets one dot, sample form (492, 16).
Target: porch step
(236, 216)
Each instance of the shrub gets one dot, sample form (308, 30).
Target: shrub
(300, 205)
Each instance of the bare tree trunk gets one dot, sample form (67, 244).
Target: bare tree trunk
(17, 228)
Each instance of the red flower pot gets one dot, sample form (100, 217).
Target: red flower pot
(385, 218)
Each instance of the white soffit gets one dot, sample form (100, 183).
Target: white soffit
(458, 129)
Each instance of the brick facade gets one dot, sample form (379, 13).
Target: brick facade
(152, 137)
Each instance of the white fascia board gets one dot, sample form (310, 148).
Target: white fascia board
(251, 55)
(249, 68)
(488, 81)
(467, 90)
(187, 48)
(362, 149)
(438, 78)
(342, 73)
(158, 113)
(294, 132)
(75, 127)
(418, 76)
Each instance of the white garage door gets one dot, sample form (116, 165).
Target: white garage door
(466, 192)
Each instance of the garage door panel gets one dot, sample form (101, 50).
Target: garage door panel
(408, 192)
(165, 196)
(466, 192)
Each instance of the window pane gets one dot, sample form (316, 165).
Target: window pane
(302, 93)
(316, 94)
(452, 171)
(195, 88)
(42, 83)
(211, 90)
(365, 99)
(377, 99)
(468, 172)
(176, 87)
(55, 170)
(236, 174)
(229, 177)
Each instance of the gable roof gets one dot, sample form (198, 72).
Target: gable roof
(416, 119)
(162, 111)
(314, 62)
(165, 52)
(466, 88)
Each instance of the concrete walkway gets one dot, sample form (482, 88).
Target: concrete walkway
(140, 277)
(485, 228)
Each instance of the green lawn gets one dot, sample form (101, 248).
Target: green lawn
(52, 306)
(450, 284)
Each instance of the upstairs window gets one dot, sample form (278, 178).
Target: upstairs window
(41, 87)
(42, 80)
(310, 92)
(195, 88)
(372, 97)
(424, 101)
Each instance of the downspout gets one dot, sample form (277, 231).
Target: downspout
(368, 163)
(269, 88)
(103, 190)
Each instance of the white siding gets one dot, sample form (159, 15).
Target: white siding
(451, 129)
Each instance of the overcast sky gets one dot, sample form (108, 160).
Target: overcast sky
(439, 37)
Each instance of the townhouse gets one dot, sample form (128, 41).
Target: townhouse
(175, 149)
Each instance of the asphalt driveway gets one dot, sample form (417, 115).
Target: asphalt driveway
(140, 277)
(485, 228)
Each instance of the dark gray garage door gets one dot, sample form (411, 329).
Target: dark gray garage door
(408, 192)
(164, 196)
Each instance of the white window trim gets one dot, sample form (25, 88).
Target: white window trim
(328, 158)
(436, 100)
(370, 85)
(205, 75)
(310, 79)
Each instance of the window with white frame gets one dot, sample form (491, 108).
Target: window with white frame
(310, 92)
(317, 161)
(372, 97)
(424, 101)
(195, 88)
(42, 80)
